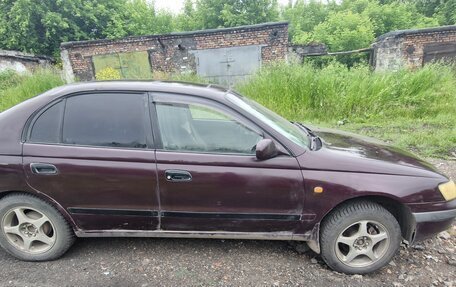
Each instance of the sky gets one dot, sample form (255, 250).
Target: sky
(176, 5)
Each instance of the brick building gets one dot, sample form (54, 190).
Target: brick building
(223, 55)
(414, 48)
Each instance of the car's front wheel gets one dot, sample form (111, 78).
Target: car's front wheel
(33, 230)
(359, 238)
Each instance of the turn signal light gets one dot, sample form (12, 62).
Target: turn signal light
(318, 189)
(448, 190)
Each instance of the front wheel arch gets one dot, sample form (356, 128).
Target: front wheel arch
(400, 211)
(359, 238)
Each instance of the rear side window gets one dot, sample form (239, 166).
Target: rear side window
(112, 120)
(46, 128)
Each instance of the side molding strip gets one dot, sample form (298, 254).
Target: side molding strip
(247, 216)
(120, 212)
(179, 214)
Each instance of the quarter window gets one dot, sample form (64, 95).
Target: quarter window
(113, 120)
(191, 127)
(46, 128)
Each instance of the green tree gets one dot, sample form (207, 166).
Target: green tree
(303, 16)
(189, 19)
(207, 14)
(344, 31)
(139, 17)
(384, 16)
(237, 13)
(396, 16)
(446, 12)
(427, 7)
(40, 26)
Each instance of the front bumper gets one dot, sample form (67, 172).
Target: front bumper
(429, 223)
(434, 216)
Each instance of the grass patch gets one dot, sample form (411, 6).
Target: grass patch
(16, 88)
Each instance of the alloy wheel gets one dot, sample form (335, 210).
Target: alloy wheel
(28, 230)
(362, 243)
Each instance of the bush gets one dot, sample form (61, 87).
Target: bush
(9, 78)
(108, 74)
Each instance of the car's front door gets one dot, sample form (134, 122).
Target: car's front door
(93, 154)
(209, 178)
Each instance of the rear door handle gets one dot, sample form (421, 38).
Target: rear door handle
(43, 168)
(178, 175)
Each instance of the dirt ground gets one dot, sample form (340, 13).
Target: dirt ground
(192, 262)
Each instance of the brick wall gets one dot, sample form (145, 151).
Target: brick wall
(406, 48)
(172, 52)
(413, 45)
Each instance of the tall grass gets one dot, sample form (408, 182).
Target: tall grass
(358, 94)
(16, 88)
(411, 109)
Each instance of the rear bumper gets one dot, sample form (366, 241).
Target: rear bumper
(429, 223)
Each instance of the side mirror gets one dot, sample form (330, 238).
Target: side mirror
(266, 149)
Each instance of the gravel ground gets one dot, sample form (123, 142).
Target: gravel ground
(192, 262)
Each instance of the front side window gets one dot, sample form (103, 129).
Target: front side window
(112, 120)
(198, 128)
(270, 118)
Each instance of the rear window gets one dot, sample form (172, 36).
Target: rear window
(113, 120)
(108, 120)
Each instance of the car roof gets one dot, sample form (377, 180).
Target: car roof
(202, 90)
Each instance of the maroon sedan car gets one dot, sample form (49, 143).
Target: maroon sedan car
(154, 159)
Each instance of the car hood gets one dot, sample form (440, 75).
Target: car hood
(344, 151)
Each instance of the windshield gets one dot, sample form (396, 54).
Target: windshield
(281, 125)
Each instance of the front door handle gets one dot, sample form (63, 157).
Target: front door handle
(178, 175)
(43, 168)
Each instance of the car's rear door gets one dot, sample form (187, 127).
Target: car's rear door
(93, 154)
(209, 178)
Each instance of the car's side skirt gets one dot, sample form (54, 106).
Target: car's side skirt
(197, 234)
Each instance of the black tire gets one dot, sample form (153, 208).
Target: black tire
(64, 235)
(348, 218)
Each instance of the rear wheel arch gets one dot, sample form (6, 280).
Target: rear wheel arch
(47, 199)
(32, 228)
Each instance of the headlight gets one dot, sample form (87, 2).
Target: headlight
(448, 190)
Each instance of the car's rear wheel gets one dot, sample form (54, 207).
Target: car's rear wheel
(33, 230)
(359, 238)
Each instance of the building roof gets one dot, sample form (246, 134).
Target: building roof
(23, 56)
(176, 34)
(402, 33)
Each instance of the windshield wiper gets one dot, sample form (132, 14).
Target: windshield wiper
(314, 139)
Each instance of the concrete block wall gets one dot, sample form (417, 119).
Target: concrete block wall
(22, 62)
